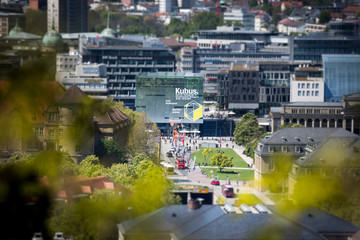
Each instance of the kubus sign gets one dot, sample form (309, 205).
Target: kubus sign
(186, 94)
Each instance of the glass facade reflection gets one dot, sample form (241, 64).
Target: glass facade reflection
(171, 97)
(341, 75)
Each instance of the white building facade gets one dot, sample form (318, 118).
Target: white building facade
(90, 78)
(306, 89)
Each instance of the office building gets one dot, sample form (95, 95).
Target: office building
(68, 16)
(218, 49)
(341, 75)
(166, 6)
(307, 85)
(243, 93)
(310, 48)
(125, 60)
(242, 16)
(274, 85)
(171, 97)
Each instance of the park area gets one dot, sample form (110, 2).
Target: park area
(233, 174)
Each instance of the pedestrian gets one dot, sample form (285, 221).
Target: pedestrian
(233, 146)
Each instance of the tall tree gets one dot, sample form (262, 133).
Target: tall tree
(247, 129)
(221, 160)
(324, 17)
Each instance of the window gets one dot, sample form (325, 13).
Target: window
(299, 93)
(60, 118)
(303, 93)
(316, 93)
(39, 131)
(52, 117)
(317, 85)
(51, 133)
(307, 93)
(303, 85)
(271, 166)
(271, 149)
(284, 149)
(297, 149)
(298, 85)
(308, 85)
(309, 111)
(61, 132)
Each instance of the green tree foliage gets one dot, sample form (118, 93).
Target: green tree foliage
(94, 218)
(53, 164)
(324, 17)
(91, 167)
(151, 189)
(205, 21)
(113, 150)
(247, 129)
(221, 160)
(97, 21)
(143, 137)
(251, 146)
(122, 174)
(36, 22)
(176, 26)
(253, 3)
(136, 160)
(207, 152)
(286, 125)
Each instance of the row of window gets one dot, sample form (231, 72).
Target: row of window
(313, 93)
(316, 111)
(313, 85)
(51, 133)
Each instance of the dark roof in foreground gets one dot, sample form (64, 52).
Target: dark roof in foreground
(213, 222)
(113, 116)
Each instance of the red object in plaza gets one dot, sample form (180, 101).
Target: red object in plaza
(180, 162)
(227, 190)
(215, 182)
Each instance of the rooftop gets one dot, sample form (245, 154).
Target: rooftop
(313, 104)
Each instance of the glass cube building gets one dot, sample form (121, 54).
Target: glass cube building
(171, 97)
(341, 75)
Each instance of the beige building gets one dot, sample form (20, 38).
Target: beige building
(67, 124)
(345, 114)
(275, 154)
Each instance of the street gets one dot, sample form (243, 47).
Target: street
(193, 176)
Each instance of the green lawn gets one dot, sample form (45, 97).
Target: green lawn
(237, 160)
(249, 199)
(245, 175)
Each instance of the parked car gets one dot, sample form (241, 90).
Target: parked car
(215, 182)
(59, 236)
(169, 154)
(37, 236)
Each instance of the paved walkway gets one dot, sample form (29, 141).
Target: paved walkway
(196, 177)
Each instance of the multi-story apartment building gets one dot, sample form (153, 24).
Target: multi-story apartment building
(125, 60)
(307, 85)
(67, 16)
(310, 48)
(243, 93)
(274, 85)
(341, 75)
(218, 49)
